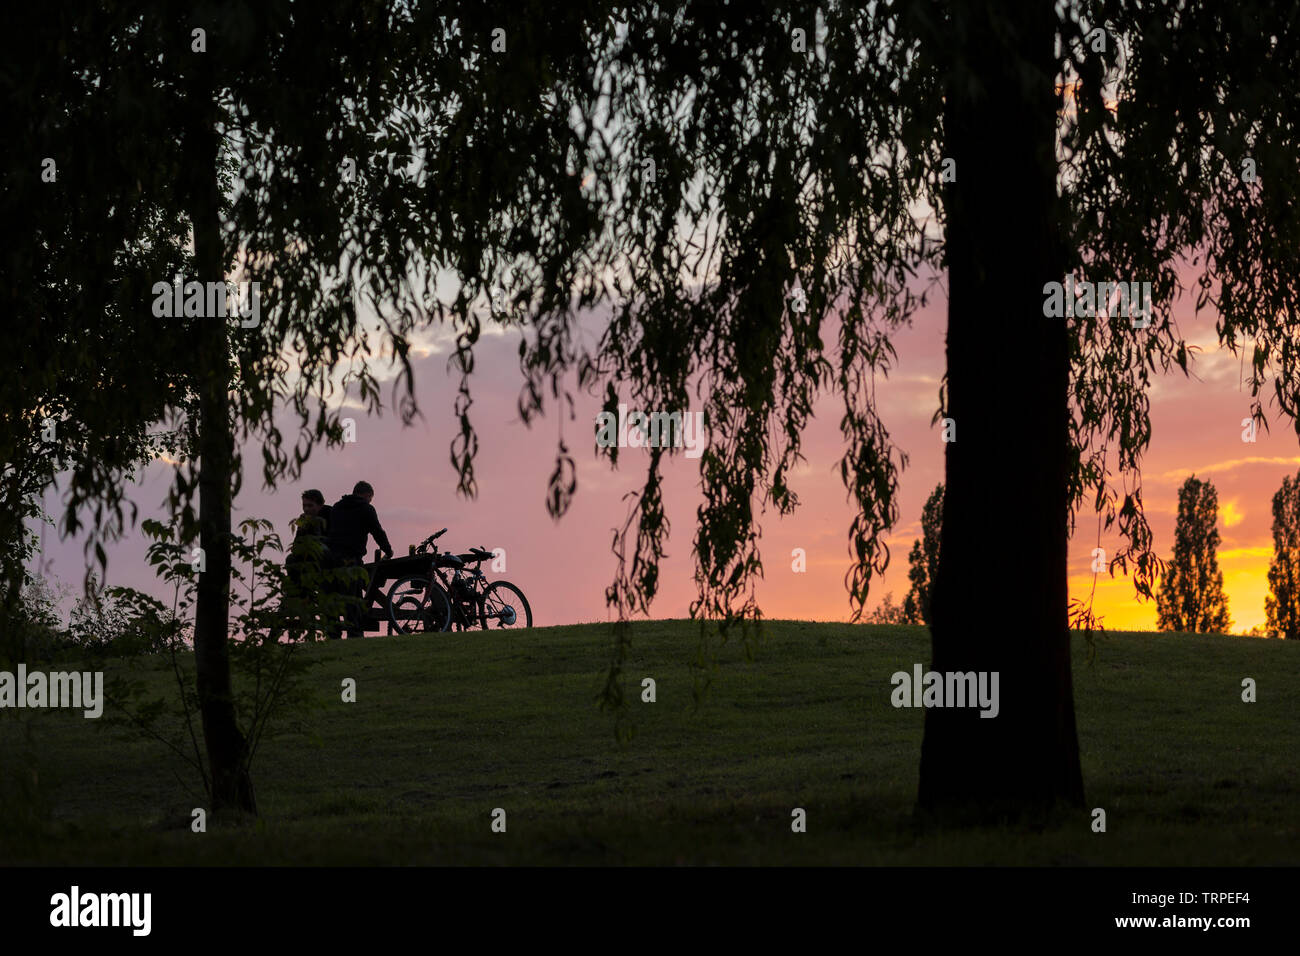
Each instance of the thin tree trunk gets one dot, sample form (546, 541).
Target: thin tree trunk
(1000, 598)
(227, 748)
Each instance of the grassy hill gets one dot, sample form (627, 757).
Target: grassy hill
(445, 728)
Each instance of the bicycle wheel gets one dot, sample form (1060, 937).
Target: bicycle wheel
(504, 605)
(438, 608)
(414, 606)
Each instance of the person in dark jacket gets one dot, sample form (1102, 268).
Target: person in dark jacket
(352, 520)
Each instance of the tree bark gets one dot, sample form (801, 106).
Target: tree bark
(227, 748)
(1000, 598)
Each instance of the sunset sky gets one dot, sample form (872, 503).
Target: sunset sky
(564, 567)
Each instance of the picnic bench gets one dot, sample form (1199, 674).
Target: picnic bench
(381, 571)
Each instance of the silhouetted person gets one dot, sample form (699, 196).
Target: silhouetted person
(352, 519)
(314, 521)
(307, 551)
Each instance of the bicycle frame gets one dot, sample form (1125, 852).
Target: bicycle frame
(456, 581)
(459, 581)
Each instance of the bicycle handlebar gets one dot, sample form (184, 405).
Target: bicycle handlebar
(429, 540)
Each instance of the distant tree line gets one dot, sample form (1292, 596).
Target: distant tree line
(1190, 597)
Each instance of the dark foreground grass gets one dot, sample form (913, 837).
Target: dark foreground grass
(447, 728)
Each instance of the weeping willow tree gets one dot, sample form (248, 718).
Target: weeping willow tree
(761, 196)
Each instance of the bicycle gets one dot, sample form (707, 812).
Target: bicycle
(450, 593)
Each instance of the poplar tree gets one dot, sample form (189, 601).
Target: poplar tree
(923, 561)
(1190, 596)
(1282, 605)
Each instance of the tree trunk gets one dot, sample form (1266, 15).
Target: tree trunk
(232, 787)
(1000, 598)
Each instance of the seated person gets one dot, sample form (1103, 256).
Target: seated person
(352, 520)
(311, 527)
(307, 552)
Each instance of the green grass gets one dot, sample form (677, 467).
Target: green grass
(446, 728)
